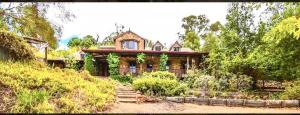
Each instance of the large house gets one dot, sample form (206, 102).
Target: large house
(129, 44)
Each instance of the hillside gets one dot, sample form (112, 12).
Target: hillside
(32, 87)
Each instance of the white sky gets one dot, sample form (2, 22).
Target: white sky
(154, 21)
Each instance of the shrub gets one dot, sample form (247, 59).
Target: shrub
(159, 87)
(160, 74)
(192, 76)
(40, 89)
(17, 48)
(122, 78)
(292, 90)
(238, 83)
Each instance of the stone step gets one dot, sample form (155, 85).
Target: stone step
(127, 96)
(127, 100)
(126, 92)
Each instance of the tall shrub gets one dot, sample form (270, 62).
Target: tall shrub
(163, 62)
(113, 64)
(88, 63)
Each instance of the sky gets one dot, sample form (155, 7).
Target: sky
(154, 21)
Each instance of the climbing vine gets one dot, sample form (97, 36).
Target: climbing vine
(163, 62)
(113, 64)
(88, 63)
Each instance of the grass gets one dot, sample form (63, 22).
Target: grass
(32, 87)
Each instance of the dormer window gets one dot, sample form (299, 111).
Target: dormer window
(158, 48)
(129, 44)
(176, 49)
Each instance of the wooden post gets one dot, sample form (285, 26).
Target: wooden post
(46, 58)
(187, 63)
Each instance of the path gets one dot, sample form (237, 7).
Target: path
(126, 103)
(126, 94)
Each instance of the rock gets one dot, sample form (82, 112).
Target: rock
(235, 102)
(255, 103)
(189, 99)
(218, 102)
(175, 99)
(201, 101)
(290, 103)
(274, 103)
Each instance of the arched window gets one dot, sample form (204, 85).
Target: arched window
(129, 44)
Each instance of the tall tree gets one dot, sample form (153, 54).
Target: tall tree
(74, 42)
(192, 41)
(29, 19)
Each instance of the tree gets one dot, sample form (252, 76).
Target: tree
(74, 42)
(109, 40)
(87, 41)
(29, 19)
(196, 24)
(192, 41)
(163, 62)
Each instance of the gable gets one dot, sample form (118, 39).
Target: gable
(128, 36)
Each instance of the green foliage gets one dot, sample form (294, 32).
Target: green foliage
(292, 90)
(88, 63)
(191, 76)
(159, 87)
(160, 74)
(113, 64)
(86, 42)
(71, 63)
(122, 78)
(140, 58)
(239, 82)
(197, 24)
(16, 47)
(39, 89)
(163, 62)
(192, 41)
(74, 42)
(29, 19)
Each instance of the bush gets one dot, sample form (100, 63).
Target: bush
(122, 78)
(17, 48)
(160, 74)
(113, 63)
(159, 87)
(292, 90)
(39, 89)
(238, 83)
(191, 76)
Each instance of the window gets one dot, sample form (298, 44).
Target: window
(132, 67)
(176, 48)
(158, 48)
(149, 67)
(130, 44)
(168, 65)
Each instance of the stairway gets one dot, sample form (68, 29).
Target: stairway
(126, 94)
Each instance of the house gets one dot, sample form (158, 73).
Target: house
(129, 44)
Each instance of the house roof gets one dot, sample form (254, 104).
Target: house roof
(147, 52)
(127, 32)
(33, 40)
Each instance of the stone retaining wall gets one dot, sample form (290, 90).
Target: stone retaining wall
(236, 102)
